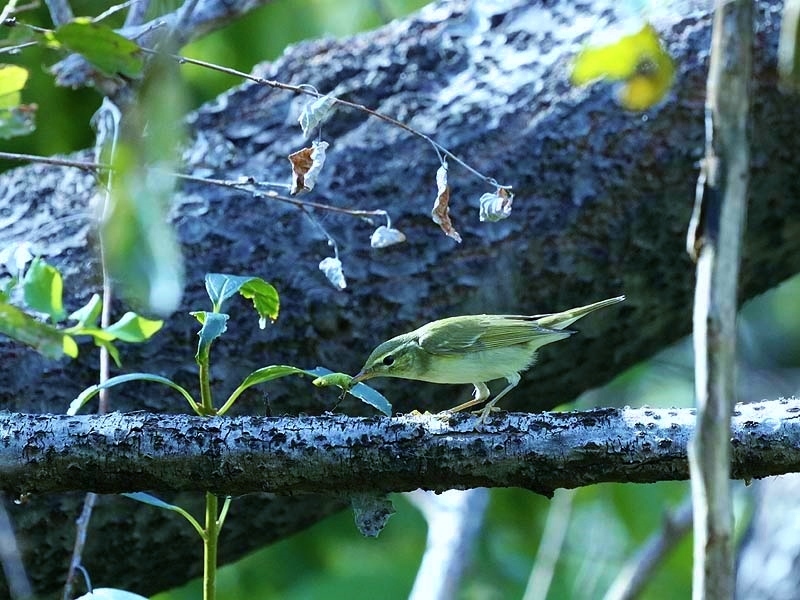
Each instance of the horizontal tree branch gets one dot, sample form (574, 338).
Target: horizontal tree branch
(337, 454)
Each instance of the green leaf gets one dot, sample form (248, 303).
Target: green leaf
(360, 390)
(260, 376)
(44, 338)
(153, 501)
(221, 287)
(269, 373)
(214, 325)
(12, 81)
(133, 328)
(265, 299)
(93, 390)
(110, 348)
(88, 314)
(43, 289)
(107, 50)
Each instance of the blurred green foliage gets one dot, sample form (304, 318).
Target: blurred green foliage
(63, 116)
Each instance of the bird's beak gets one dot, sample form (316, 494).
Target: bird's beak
(361, 376)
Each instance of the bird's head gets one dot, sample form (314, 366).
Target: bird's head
(398, 357)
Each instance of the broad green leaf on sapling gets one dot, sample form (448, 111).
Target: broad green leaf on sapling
(43, 289)
(44, 338)
(134, 328)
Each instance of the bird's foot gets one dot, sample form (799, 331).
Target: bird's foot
(484, 413)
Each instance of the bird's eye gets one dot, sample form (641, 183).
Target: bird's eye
(388, 360)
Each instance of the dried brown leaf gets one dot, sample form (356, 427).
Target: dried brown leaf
(306, 166)
(441, 209)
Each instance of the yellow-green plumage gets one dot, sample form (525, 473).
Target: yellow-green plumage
(473, 349)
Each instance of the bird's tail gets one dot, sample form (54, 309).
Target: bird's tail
(568, 317)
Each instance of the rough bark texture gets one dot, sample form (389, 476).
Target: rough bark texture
(603, 200)
(344, 455)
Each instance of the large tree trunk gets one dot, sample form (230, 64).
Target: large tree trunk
(603, 198)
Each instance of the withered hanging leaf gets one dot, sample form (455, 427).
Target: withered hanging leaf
(497, 206)
(385, 236)
(332, 267)
(441, 209)
(306, 166)
(315, 112)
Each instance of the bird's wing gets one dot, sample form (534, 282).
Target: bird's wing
(480, 332)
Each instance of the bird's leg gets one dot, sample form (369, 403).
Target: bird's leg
(480, 394)
(513, 380)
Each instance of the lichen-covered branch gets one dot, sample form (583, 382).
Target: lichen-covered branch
(345, 455)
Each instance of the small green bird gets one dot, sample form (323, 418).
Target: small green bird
(473, 349)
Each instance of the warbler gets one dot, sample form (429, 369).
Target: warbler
(473, 349)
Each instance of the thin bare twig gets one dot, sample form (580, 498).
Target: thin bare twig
(638, 571)
(53, 160)
(304, 89)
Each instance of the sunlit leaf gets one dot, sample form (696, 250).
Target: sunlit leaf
(93, 390)
(497, 206)
(43, 289)
(269, 373)
(110, 348)
(107, 50)
(639, 60)
(134, 328)
(321, 375)
(12, 80)
(44, 338)
(332, 268)
(306, 166)
(441, 209)
(88, 314)
(315, 112)
(386, 236)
